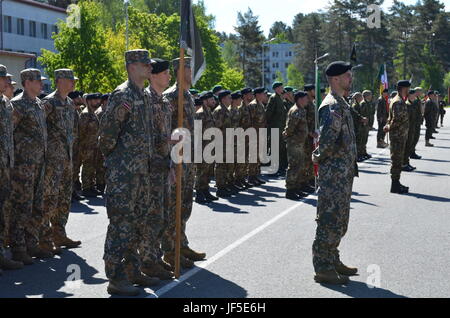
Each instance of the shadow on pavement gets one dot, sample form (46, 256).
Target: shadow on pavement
(46, 277)
(432, 174)
(371, 172)
(363, 202)
(80, 207)
(428, 197)
(361, 290)
(434, 160)
(225, 208)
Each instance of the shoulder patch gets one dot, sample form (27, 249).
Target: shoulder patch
(126, 106)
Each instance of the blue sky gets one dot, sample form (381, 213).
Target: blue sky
(270, 11)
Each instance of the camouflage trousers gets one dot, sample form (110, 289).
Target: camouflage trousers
(76, 164)
(158, 217)
(100, 171)
(309, 166)
(5, 186)
(127, 205)
(242, 169)
(416, 136)
(333, 211)
(187, 192)
(295, 174)
(27, 186)
(57, 196)
(222, 172)
(361, 140)
(88, 172)
(409, 147)
(204, 173)
(398, 147)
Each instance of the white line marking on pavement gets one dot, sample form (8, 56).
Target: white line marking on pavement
(223, 252)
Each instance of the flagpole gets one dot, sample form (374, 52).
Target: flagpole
(179, 166)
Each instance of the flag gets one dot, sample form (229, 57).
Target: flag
(190, 40)
(318, 103)
(384, 84)
(353, 54)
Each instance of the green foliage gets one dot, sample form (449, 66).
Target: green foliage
(447, 81)
(279, 77)
(230, 54)
(232, 79)
(432, 70)
(295, 77)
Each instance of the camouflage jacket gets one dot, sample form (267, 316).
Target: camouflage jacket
(60, 123)
(246, 116)
(337, 141)
(382, 112)
(235, 116)
(276, 112)
(205, 115)
(414, 114)
(365, 109)
(88, 127)
(296, 125)
(30, 130)
(6, 134)
(311, 116)
(125, 137)
(258, 114)
(398, 118)
(430, 112)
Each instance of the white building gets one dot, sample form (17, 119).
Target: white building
(27, 27)
(277, 58)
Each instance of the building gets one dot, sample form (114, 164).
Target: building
(277, 58)
(26, 27)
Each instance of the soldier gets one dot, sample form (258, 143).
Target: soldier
(77, 99)
(412, 120)
(9, 91)
(419, 120)
(366, 110)
(126, 141)
(100, 160)
(258, 115)
(441, 104)
(215, 90)
(430, 118)
(205, 170)
(161, 170)
(397, 127)
(310, 182)
(6, 164)
(336, 156)
(88, 136)
(194, 93)
(222, 120)
(27, 176)
(382, 116)
(276, 118)
(188, 255)
(295, 133)
(235, 115)
(289, 100)
(198, 104)
(60, 114)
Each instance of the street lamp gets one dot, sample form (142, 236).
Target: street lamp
(316, 62)
(262, 57)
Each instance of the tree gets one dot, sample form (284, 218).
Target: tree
(83, 50)
(232, 79)
(281, 32)
(295, 77)
(230, 54)
(250, 46)
(433, 72)
(279, 77)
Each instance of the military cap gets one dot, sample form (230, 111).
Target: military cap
(418, 88)
(106, 96)
(198, 102)
(176, 63)
(366, 92)
(403, 83)
(94, 96)
(159, 65)
(437, 92)
(246, 91)
(236, 95)
(411, 92)
(74, 94)
(309, 87)
(430, 92)
(259, 90)
(224, 93)
(206, 95)
(338, 68)
(288, 88)
(193, 91)
(356, 94)
(137, 56)
(299, 94)
(393, 94)
(31, 74)
(385, 90)
(4, 71)
(276, 85)
(65, 73)
(216, 89)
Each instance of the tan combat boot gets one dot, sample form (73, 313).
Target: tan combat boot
(50, 247)
(331, 277)
(192, 255)
(156, 270)
(67, 242)
(144, 280)
(184, 262)
(8, 264)
(22, 256)
(122, 288)
(165, 265)
(37, 252)
(345, 270)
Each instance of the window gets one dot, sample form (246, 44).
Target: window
(274, 76)
(7, 24)
(290, 53)
(273, 54)
(32, 29)
(44, 33)
(55, 29)
(20, 27)
(286, 65)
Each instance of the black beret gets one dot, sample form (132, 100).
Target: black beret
(299, 94)
(288, 89)
(159, 65)
(198, 102)
(309, 87)
(106, 96)
(403, 83)
(216, 89)
(436, 92)
(236, 95)
(246, 90)
(224, 93)
(276, 85)
(338, 68)
(411, 91)
(431, 93)
(94, 96)
(259, 90)
(206, 95)
(73, 95)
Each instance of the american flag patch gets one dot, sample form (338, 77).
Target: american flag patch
(126, 106)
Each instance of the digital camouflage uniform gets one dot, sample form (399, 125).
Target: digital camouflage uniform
(27, 176)
(100, 169)
(430, 115)
(258, 115)
(222, 119)
(244, 123)
(412, 123)
(235, 116)
(295, 133)
(398, 134)
(58, 168)
(336, 156)
(365, 110)
(6, 163)
(309, 143)
(204, 170)
(76, 149)
(418, 123)
(126, 141)
(276, 118)
(161, 111)
(382, 117)
(188, 178)
(88, 143)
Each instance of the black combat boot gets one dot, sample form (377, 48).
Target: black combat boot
(223, 193)
(200, 198)
(396, 187)
(209, 196)
(292, 195)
